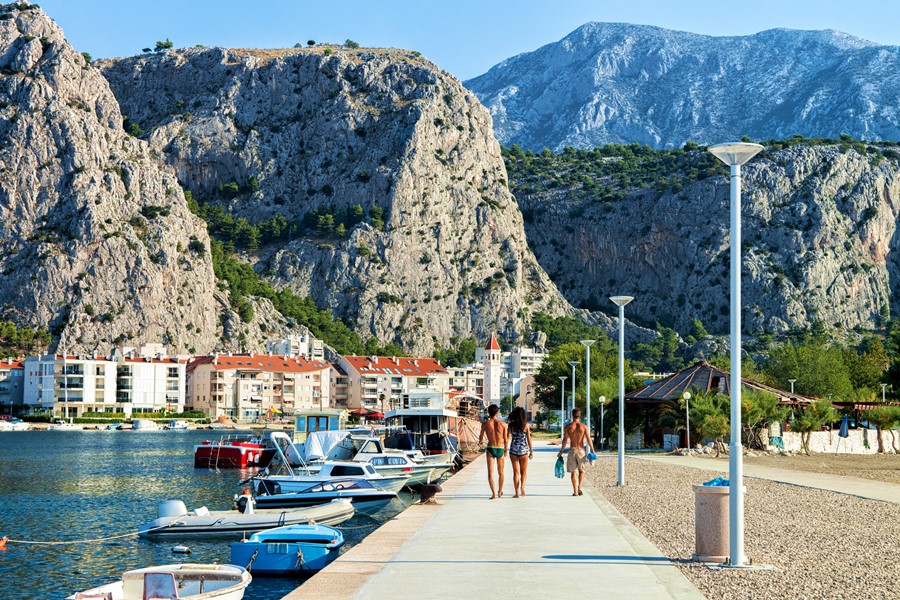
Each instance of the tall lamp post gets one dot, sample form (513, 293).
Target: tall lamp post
(791, 381)
(687, 416)
(883, 388)
(734, 155)
(573, 364)
(602, 410)
(621, 301)
(562, 405)
(587, 384)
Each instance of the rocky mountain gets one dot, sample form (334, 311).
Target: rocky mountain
(415, 237)
(617, 83)
(819, 222)
(96, 240)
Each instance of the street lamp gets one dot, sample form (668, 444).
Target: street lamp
(734, 155)
(621, 301)
(883, 388)
(602, 410)
(562, 405)
(587, 383)
(573, 364)
(687, 414)
(791, 381)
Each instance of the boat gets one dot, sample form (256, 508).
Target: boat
(185, 581)
(366, 498)
(176, 426)
(109, 427)
(391, 462)
(145, 425)
(174, 520)
(294, 549)
(63, 426)
(14, 425)
(233, 452)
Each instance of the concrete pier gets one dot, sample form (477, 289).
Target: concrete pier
(548, 544)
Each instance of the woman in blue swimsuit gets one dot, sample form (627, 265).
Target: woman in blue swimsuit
(520, 447)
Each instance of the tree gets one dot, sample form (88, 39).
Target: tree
(811, 419)
(163, 46)
(884, 418)
(867, 363)
(819, 369)
(351, 44)
(310, 42)
(710, 412)
(661, 355)
(147, 50)
(758, 410)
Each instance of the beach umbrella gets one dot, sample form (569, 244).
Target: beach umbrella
(375, 415)
(361, 411)
(843, 432)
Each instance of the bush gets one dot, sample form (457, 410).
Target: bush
(351, 44)
(163, 46)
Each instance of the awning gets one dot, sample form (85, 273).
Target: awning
(272, 409)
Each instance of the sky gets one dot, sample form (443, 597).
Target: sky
(464, 37)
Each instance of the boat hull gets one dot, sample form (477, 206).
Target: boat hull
(295, 550)
(232, 455)
(367, 503)
(190, 581)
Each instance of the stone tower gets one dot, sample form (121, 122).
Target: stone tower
(492, 368)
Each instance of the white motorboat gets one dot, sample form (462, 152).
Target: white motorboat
(290, 550)
(145, 425)
(183, 581)
(177, 426)
(366, 498)
(173, 519)
(63, 426)
(14, 425)
(392, 462)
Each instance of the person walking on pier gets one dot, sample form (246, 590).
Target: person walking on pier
(497, 438)
(520, 448)
(576, 434)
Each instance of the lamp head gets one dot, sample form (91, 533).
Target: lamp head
(621, 300)
(588, 342)
(563, 378)
(686, 395)
(574, 363)
(602, 399)
(735, 153)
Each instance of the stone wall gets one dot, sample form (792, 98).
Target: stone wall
(827, 441)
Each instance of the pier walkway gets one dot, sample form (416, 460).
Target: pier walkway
(854, 486)
(548, 544)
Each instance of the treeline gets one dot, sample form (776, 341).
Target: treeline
(17, 341)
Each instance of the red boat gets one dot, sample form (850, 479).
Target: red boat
(234, 452)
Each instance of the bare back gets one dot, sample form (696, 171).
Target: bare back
(496, 432)
(577, 434)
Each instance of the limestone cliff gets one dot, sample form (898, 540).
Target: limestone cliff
(96, 241)
(819, 232)
(286, 132)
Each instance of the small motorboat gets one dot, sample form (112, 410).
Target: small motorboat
(14, 425)
(173, 519)
(176, 426)
(145, 425)
(64, 426)
(233, 452)
(367, 499)
(184, 581)
(291, 550)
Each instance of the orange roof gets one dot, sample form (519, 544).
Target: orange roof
(492, 343)
(14, 364)
(395, 365)
(258, 362)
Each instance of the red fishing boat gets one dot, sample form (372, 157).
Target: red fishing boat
(234, 452)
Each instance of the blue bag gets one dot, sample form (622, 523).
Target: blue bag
(559, 469)
(591, 456)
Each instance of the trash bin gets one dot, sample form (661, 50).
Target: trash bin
(711, 523)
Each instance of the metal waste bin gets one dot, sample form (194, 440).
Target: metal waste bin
(710, 523)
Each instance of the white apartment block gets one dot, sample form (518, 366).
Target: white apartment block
(515, 366)
(250, 386)
(374, 381)
(298, 344)
(12, 385)
(69, 386)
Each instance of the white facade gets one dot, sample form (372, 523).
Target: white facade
(298, 344)
(12, 386)
(493, 369)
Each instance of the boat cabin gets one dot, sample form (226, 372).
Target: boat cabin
(307, 422)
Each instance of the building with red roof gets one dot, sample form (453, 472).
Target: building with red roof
(12, 386)
(251, 386)
(374, 381)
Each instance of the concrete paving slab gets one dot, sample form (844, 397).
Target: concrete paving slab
(854, 486)
(548, 544)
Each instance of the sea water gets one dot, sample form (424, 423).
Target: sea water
(70, 486)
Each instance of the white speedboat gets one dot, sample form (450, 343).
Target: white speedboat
(173, 519)
(177, 426)
(393, 462)
(145, 425)
(63, 426)
(290, 550)
(366, 498)
(183, 581)
(14, 425)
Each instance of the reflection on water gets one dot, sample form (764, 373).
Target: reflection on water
(65, 485)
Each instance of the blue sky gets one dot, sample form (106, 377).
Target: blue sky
(465, 37)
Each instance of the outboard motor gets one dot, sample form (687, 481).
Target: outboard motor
(171, 508)
(244, 502)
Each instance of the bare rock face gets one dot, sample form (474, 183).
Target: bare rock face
(96, 241)
(292, 131)
(819, 242)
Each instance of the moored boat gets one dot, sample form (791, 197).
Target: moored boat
(173, 519)
(145, 425)
(184, 581)
(176, 426)
(63, 426)
(294, 549)
(366, 498)
(233, 452)
(14, 425)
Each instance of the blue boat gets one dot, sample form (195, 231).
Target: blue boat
(289, 550)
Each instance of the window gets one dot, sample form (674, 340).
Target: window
(344, 471)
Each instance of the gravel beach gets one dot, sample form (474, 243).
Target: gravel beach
(824, 544)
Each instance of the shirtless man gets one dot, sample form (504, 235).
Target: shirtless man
(497, 436)
(576, 434)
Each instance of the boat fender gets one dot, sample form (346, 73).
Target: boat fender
(180, 549)
(245, 502)
(3, 542)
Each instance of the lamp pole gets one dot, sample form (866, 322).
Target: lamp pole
(621, 301)
(562, 406)
(587, 383)
(734, 155)
(687, 415)
(791, 381)
(883, 388)
(602, 410)
(573, 364)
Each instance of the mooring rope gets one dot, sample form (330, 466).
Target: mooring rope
(91, 541)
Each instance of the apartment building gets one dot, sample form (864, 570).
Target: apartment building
(12, 386)
(250, 386)
(373, 381)
(298, 344)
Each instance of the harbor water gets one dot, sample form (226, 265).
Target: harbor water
(58, 486)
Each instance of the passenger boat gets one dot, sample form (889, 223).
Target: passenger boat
(183, 581)
(366, 498)
(295, 549)
(233, 452)
(145, 425)
(63, 426)
(173, 519)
